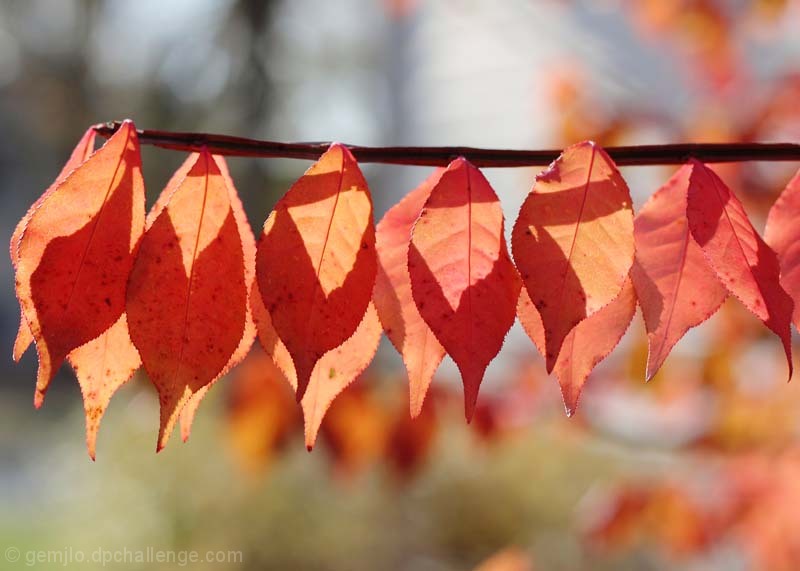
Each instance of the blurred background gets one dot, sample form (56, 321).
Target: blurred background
(698, 470)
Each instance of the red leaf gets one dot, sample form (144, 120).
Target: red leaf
(743, 262)
(783, 234)
(249, 249)
(76, 252)
(573, 240)
(677, 289)
(103, 365)
(398, 313)
(187, 296)
(316, 262)
(462, 279)
(589, 342)
(80, 153)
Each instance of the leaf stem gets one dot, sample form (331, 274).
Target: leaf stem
(640, 155)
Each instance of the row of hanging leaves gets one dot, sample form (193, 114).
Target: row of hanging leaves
(185, 290)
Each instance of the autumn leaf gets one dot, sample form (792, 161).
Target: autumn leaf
(462, 279)
(316, 263)
(573, 241)
(107, 362)
(404, 326)
(783, 235)
(80, 153)
(676, 287)
(77, 250)
(187, 296)
(102, 366)
(332, 373)
(743, 262)
(591, 341)
(249, 249)
(337, 369)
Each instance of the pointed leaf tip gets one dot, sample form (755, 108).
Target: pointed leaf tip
(573, 241)
(588, 344)
(462, 279)
(332, 374)
(102, 366)
(337, 370)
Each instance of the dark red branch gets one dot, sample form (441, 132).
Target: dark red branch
(441, 156)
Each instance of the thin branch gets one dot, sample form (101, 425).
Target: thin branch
(441, 156)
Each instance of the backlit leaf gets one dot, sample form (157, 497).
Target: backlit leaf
(783, 234)
(102, 366)
(80, 153)
(398, 313)
(743, 262)
(187, 296)
(462, 279)
(589, 342)
(333, 372)
(676, 287)
(316, 261)
(573, 241)
(249, 249)
(76, 253)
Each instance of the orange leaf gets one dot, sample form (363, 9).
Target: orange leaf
(77, 250)
(337, 369)
(333, 372)
(187, 296)
(677, 289)
(103, 365)
(783, 234)
(398, 313)
(249, 249)
(316, 263)
(743, 262)
(80, 153)
(462, 279)
(591, 341)
(107, 362)
(573, 241)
